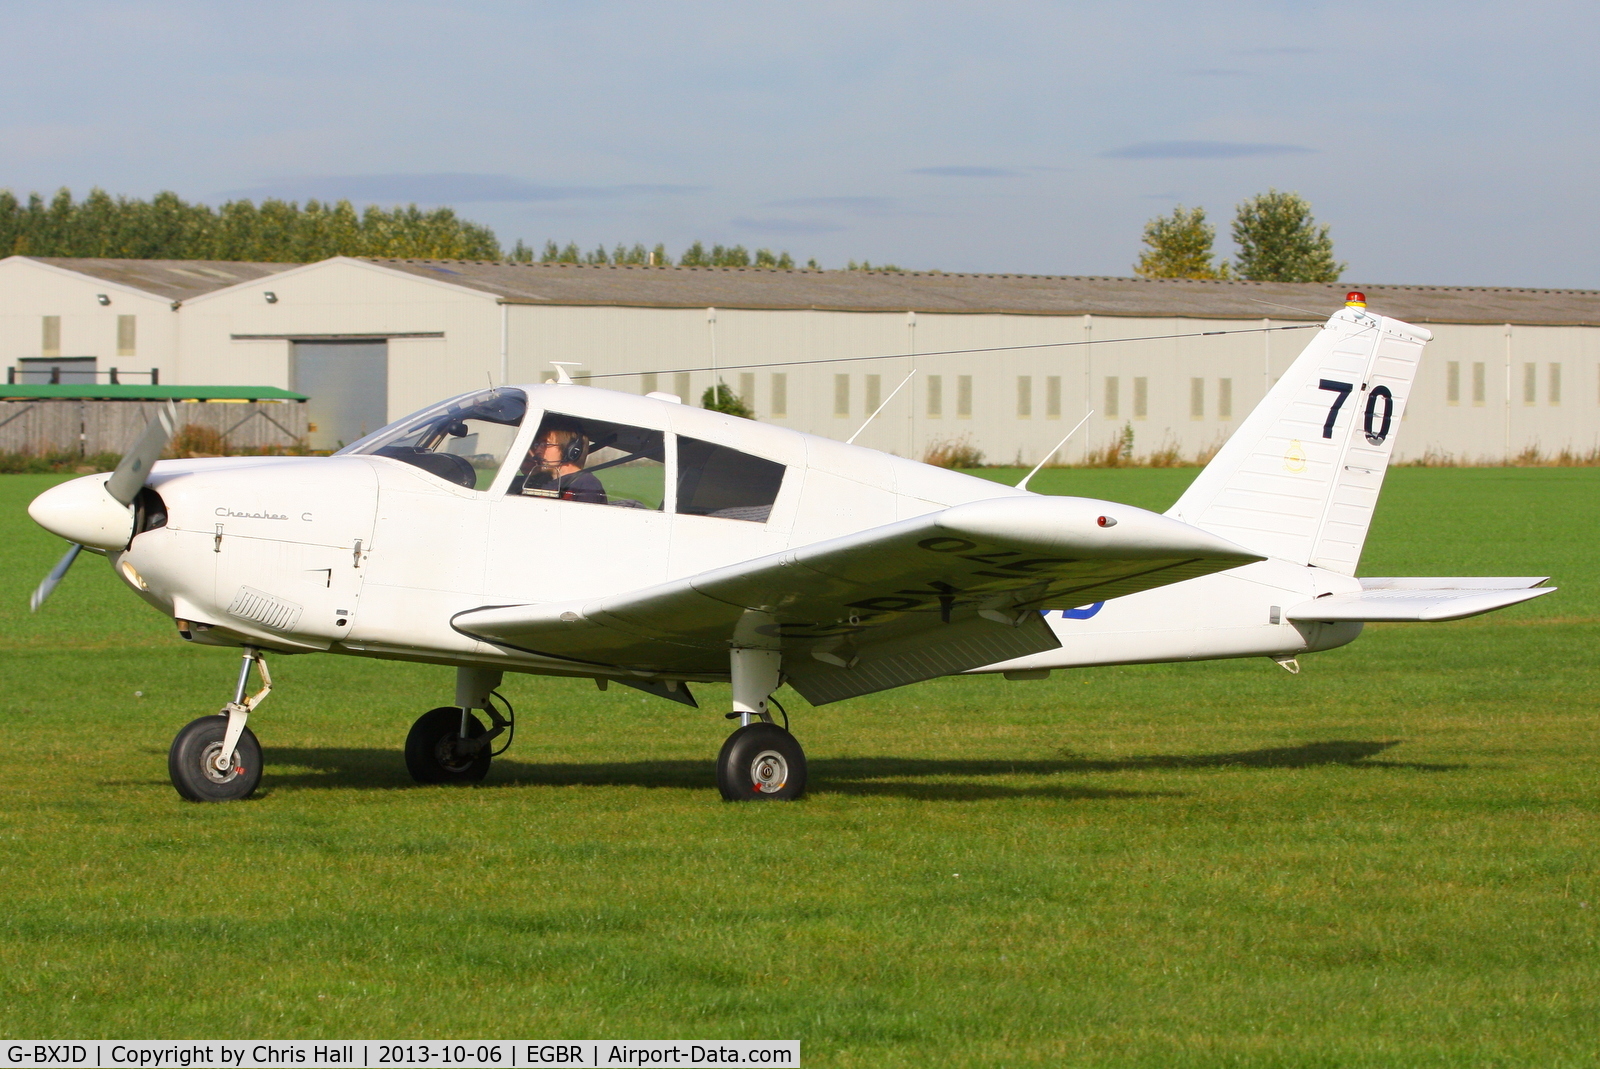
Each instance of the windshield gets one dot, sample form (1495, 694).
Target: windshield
(463, 440)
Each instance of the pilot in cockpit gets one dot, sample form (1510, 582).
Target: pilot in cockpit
(554, 466)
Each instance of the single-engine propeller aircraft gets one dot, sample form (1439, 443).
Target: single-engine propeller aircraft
(566, 530)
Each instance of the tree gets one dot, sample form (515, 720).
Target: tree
(1280, 242)
(636, 255)
(723, 399)
(169, 228)
(1179, 246)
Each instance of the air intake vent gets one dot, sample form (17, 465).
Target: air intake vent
(264, 609)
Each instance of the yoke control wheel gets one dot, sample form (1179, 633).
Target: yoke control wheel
(434, 753)
(192, 762)
(761, 762)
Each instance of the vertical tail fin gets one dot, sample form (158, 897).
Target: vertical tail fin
(1300, 477)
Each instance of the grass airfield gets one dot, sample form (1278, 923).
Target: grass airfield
(1387, 860)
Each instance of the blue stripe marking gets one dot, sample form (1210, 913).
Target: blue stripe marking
(1082, 613)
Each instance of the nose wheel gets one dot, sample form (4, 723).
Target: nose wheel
(217, 758)
(761, 762)
(201, 772)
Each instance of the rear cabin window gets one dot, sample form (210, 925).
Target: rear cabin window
(714, 480)
(595, 462)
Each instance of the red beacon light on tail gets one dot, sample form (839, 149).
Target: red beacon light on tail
(1355, 299)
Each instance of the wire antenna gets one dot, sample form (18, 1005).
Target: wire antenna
(1023, 485)
(1290, 307)
(956, 352)
(851, 440)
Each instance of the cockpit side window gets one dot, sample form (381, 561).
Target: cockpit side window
(592, 461)
(463, 440)
(714, 480)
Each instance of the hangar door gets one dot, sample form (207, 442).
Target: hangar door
(348, 386)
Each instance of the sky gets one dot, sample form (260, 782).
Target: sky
(1444, 142)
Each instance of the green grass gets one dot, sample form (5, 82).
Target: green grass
(1389, 860)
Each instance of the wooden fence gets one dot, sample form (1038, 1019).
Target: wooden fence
(89, 427)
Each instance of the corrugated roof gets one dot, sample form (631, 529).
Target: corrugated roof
(176, 280)
(890, 291)
(132, 392)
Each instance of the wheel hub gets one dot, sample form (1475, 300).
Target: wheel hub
(209, 763)
(449, 756)
(769, 772)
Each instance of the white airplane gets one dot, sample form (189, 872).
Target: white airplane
(566, 530)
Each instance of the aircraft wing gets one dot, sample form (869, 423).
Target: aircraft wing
(1422, 599)
(880, 608)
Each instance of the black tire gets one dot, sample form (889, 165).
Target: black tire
(761, 763)
(430, 748)
(198, 781)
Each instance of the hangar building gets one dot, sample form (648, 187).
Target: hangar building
(1005, 362)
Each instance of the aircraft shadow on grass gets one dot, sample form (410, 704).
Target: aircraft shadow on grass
(927, 779)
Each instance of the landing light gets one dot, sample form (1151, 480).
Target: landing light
(134, 577)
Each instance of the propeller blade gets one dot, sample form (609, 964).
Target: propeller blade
(130, 475)
(51, 580)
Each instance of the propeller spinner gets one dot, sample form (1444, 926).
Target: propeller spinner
(97, 510)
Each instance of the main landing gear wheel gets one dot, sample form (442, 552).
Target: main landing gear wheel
(761, 762)
(434, 751)
(192, 762)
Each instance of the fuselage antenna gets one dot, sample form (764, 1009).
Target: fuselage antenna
(1023, 485)
(851, 440)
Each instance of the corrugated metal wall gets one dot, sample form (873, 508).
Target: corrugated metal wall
(1185, 391)
(88, 427)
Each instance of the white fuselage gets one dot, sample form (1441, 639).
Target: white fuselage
(371, 556)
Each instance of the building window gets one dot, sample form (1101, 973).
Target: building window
(648, 383)
(935, 396)
(682, 387)
(1452, 382)
(1141, 398)
(963, 396)
(1530, 383)
(1024, 396)
(50, 337)
(874, 396)
(1478, 379)
(780, 395)
(127, 335)
(1197, 398)
(841, 395)
(747, 389)
(1224, 398)
(1555, 384)
(1112, 385)
(1052, 397)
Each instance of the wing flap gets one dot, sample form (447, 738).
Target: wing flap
(1411, 605)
